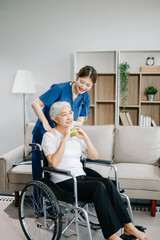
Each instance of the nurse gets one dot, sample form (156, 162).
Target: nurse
(76, 93)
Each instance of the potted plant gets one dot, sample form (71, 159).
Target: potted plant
(151, 91)
(124, 75)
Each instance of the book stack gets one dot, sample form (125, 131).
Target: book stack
(125, 119)
(147, 121)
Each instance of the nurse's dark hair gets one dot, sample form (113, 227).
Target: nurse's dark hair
(88, 71)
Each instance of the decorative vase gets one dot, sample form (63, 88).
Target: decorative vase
(150, 97)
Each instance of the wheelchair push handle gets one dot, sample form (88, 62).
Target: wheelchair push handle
(35, 147)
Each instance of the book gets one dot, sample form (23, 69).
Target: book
(123, 119)
(149, 121)
(145, 121)
(153, 123)
(141, 120)
(129, 119)
(126, 120)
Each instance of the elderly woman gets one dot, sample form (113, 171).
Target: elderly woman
(64, 151)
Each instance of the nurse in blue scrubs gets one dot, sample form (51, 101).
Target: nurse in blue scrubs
(76, 93)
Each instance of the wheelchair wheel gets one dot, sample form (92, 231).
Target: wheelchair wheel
(39, 212)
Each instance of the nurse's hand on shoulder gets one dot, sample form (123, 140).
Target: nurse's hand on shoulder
(48, 128)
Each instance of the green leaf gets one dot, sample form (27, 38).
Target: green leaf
(124, 74)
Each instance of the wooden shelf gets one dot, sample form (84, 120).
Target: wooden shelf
(105, 87)
(105, 101)
(150, 80)
(138, 103)
(152, 110)
(105, 95)
(105, 113)
(133, 89)
(90, 118)
(109, 73)
(130, 106)
(150, 73)
(150, 102)
(92, 95)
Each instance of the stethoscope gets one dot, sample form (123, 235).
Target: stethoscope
(83, 102)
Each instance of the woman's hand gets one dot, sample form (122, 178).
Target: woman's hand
(67, 133)
(48, 128)
(91, 151)
(81, 134)
(37, 107)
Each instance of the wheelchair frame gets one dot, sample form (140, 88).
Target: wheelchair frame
(47, 192)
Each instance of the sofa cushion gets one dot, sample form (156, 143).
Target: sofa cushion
(138, 176)
(20, 174)
(137, 144)
(102, 137)
(28, 138)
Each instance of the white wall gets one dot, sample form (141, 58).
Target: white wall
(41, 35)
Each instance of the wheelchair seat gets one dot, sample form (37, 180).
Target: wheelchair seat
(60, 194)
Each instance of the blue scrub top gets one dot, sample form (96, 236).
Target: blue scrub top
(62, 92)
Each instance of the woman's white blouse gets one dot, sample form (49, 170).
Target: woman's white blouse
(71, 158)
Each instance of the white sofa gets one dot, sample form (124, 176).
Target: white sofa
(135, 151)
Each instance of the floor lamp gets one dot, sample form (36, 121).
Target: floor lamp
(23, 83)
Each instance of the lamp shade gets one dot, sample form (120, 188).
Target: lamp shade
(24, 82)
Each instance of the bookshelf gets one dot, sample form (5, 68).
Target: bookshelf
(137, 103)
(150, 108)
(105, 95)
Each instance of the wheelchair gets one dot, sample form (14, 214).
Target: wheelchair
(47, 212)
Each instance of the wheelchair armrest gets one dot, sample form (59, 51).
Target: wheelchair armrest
(99, 161)
(64, 172)
(107, 163)
(58, 171)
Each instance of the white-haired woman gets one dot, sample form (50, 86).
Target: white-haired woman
(63, 151)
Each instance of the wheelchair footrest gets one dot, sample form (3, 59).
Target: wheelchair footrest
(126, 237)
(95, 226)
(141, 228)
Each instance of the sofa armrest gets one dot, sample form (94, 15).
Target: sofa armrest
(6, 162)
